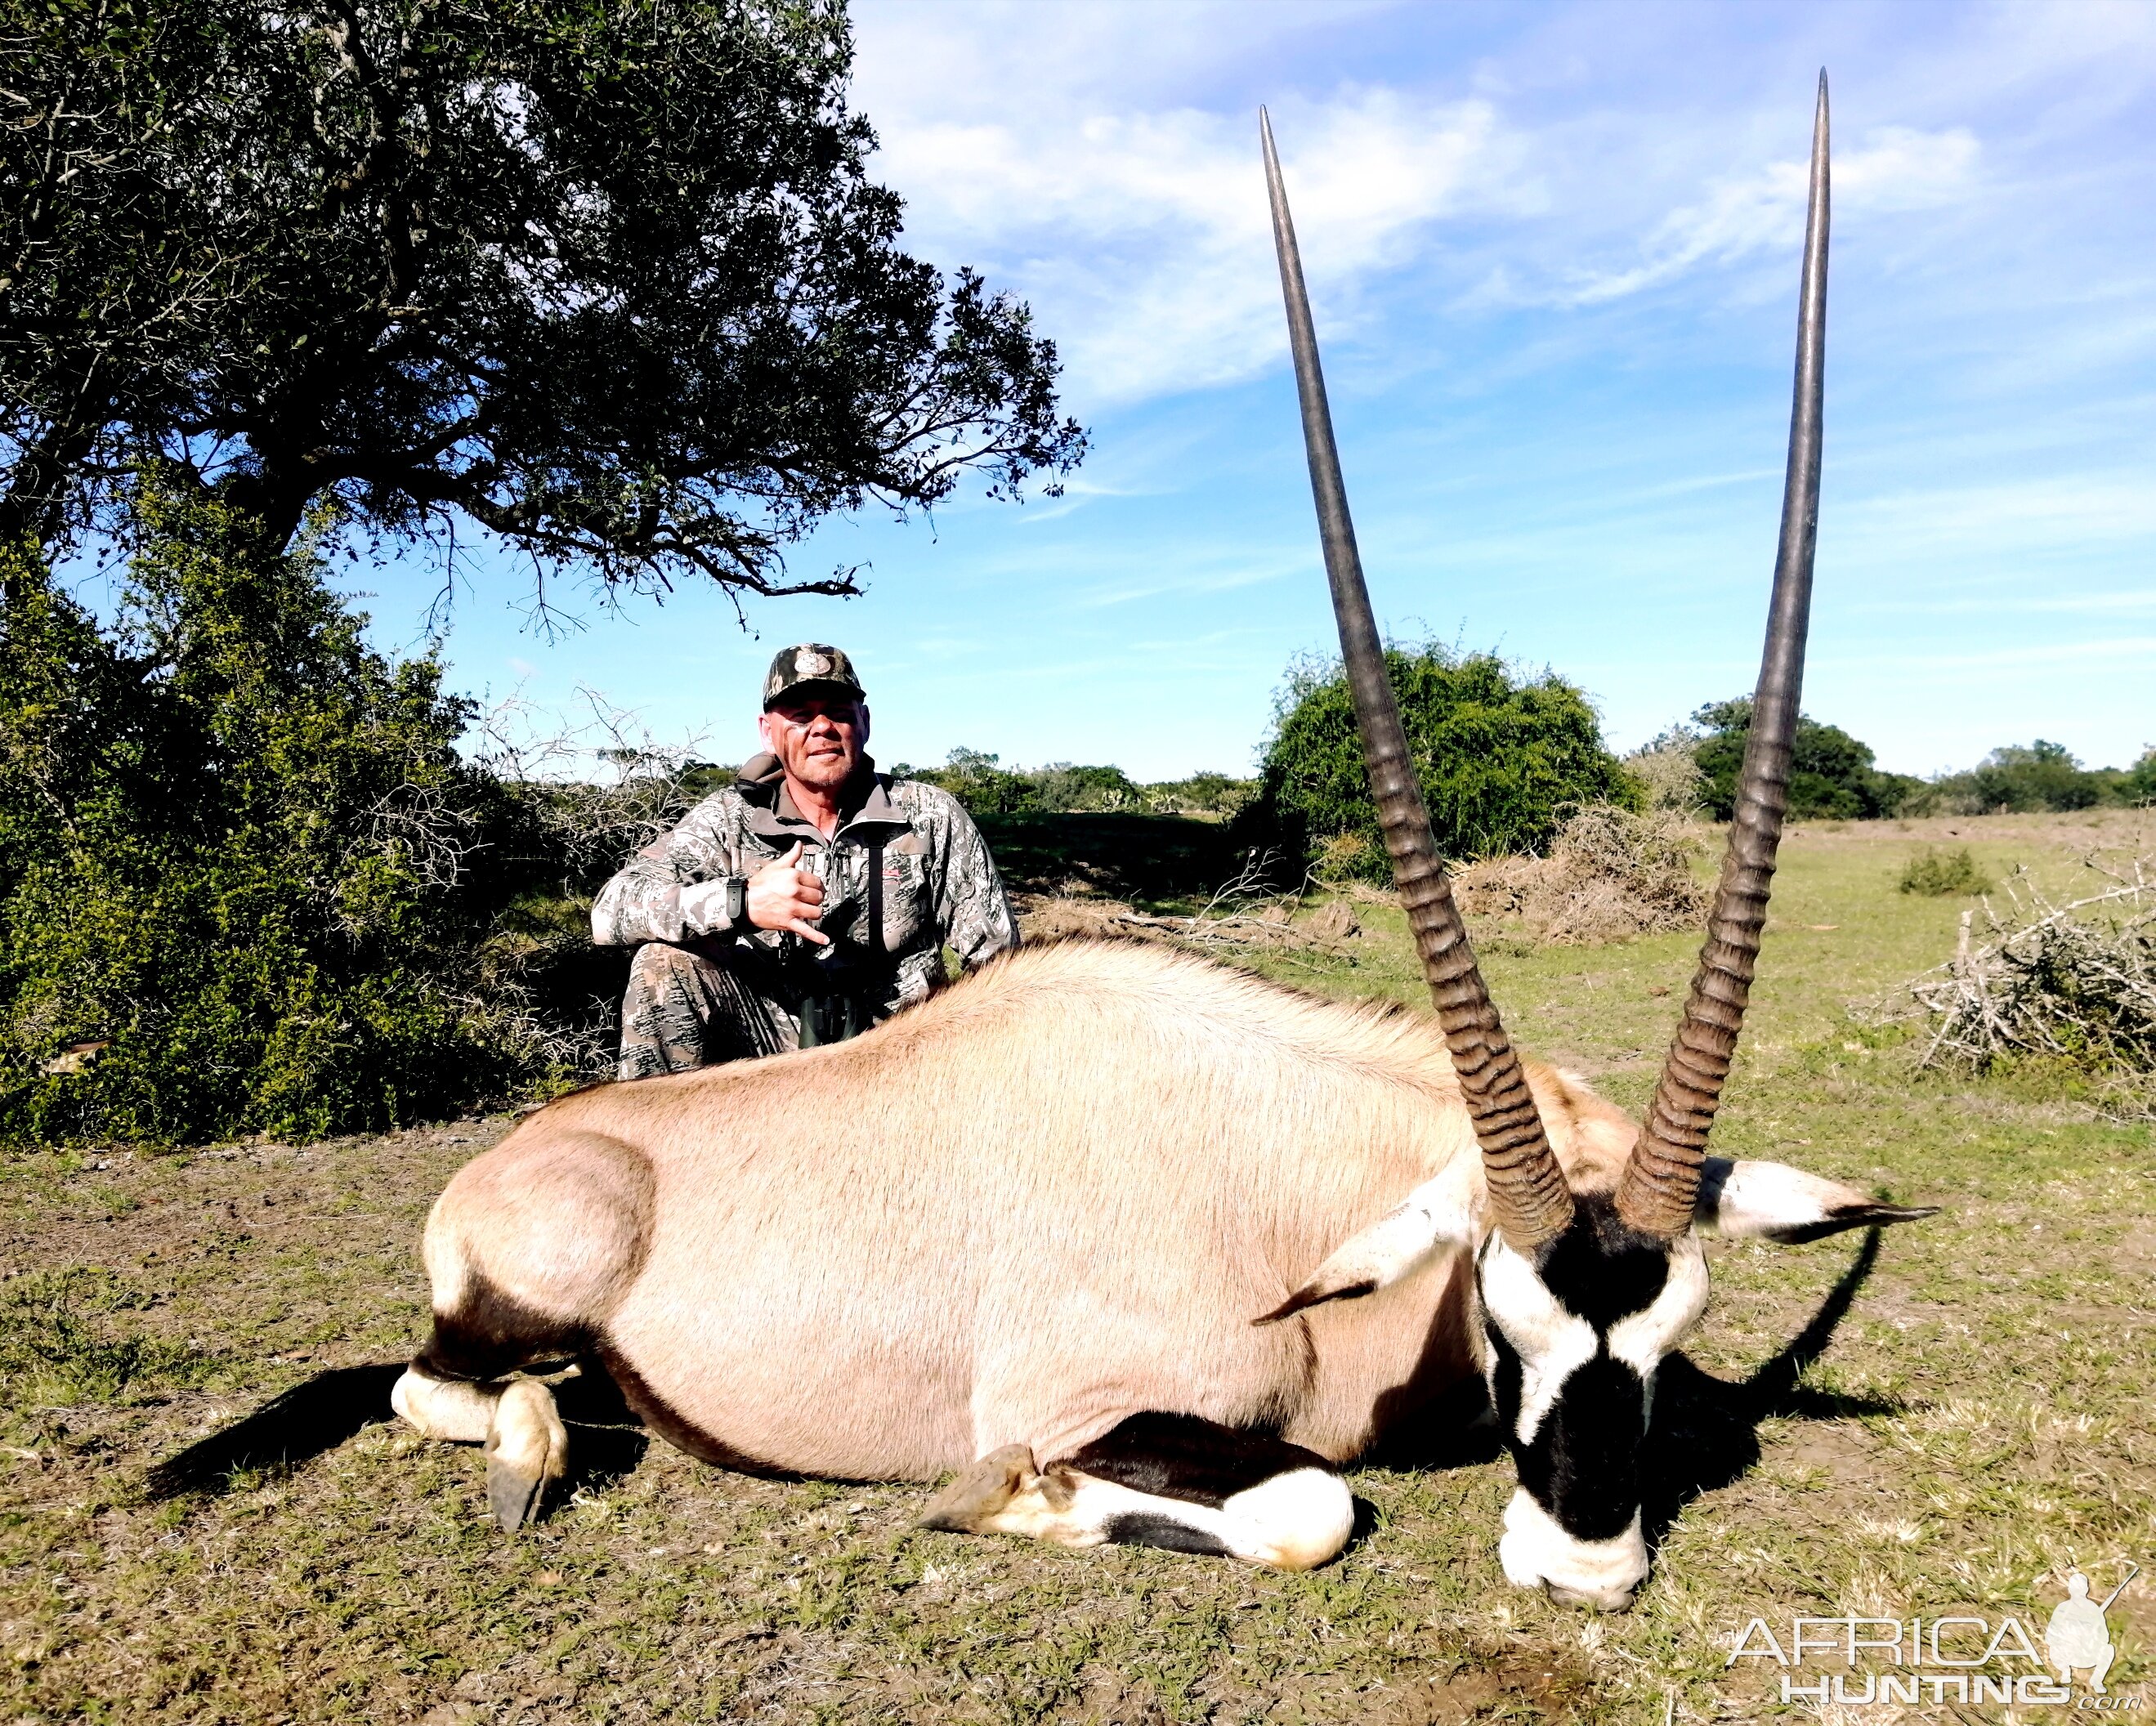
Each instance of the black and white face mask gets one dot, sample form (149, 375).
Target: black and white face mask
(1571, 1345)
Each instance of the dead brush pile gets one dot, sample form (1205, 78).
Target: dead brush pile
(2068, 985)
(1242, 915)
(1610, 875)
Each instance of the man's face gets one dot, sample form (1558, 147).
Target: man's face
(818, 736)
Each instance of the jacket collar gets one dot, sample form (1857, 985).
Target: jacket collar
(770, 814)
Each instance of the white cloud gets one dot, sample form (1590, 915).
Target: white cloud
(1898, 169)
(1142, 238)
(2047, 517)
(1140, 235)
(1999, 604)
(2055, 653)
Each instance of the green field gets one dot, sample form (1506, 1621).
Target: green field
(1965, 1417)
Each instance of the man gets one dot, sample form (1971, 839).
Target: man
(809, 899)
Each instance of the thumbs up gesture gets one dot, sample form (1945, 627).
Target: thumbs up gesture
(784, 895)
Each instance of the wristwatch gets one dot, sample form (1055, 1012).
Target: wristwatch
(737, 903)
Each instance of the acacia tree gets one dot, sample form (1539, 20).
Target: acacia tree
(609, 277)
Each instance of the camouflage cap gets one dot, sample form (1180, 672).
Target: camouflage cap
(811, 662)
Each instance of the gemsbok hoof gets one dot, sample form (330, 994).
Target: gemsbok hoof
(527, 1448)
(978, 1491)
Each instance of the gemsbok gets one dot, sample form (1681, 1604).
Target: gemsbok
(1137, 1247)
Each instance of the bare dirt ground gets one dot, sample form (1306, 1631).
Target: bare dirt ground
(1944, 1423)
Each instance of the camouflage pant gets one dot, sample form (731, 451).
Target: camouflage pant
(686, 1009)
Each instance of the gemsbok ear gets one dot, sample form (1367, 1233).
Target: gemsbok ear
(1440, 1215)
(1772, 1201)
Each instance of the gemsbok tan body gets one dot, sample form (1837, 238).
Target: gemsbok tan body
(1142, 1248)
(1053, 1196)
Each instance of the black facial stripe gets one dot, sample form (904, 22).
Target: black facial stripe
(1584, 1466)
(1185, 1456)
(1601, 1270)
(1504, 1381)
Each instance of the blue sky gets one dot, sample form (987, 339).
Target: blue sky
(1552, 252)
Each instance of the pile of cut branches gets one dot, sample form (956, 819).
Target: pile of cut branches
(2071, 984)
(1609, 875)
(1243, 914)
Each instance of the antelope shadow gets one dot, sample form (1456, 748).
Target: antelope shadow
(318, 1414)
(1705, 1429)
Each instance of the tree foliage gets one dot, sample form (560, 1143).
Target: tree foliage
(2026, 778)
(1831, 775)
(2019, 778)
(2137, 784)
(980, 781)
(232, 846)
(609, 277)
(1501, 757)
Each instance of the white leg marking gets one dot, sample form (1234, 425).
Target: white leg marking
(445, 1408)
(1535, 1550)
(1292, 1522)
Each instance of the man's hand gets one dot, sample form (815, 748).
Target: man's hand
(781, 896)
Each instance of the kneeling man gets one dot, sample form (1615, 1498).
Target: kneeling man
(805, 901)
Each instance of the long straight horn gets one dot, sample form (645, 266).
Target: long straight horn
(1528, 1193)
(1661, 1181)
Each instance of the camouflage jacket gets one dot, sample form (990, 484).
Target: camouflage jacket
(909, 852)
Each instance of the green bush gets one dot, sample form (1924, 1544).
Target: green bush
(1937, 875)
(2137, 785)
(2035, 777)
(2040, 776)
(981, 782)
(233, 852)
(1205, 794)
(1502, 757)
(1831, 776)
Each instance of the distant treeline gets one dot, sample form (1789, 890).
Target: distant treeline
(987, 786)
(256, 876)
(1505, 754)
(1832, 776)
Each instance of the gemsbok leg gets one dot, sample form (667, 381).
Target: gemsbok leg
(528, 1447)
(1162, 1480)
(529, 1248)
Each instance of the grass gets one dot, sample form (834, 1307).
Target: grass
(1979, 1420)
